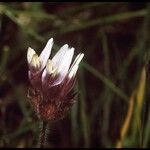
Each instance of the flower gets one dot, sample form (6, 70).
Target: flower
(52, 80)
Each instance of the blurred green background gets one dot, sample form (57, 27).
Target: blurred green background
(113, 84)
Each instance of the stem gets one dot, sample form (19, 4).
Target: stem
(43, 134)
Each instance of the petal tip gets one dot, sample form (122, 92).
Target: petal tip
(73, 71)
(30, 53)
(51, 40)
(46, 53)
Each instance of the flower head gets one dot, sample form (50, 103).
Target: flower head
(52, 80)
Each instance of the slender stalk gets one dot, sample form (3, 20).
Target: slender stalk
(106, 81)
(43, 134)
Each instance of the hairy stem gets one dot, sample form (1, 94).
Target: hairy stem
(43, 135)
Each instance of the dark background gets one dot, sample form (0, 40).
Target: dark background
(114, 36)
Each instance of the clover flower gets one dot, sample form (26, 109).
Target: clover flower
(52, 81)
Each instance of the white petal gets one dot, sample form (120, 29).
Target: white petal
(77, 60)
(30, 54)
(64, 66)
(73, 71)
(59, 55)
(46, 53)
(66, 61)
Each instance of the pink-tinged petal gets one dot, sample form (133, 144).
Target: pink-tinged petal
(67, 86)
(29, 74)
(64, 66)
(57, 59)
(30, 54)
(43, 75)
(46, 53)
